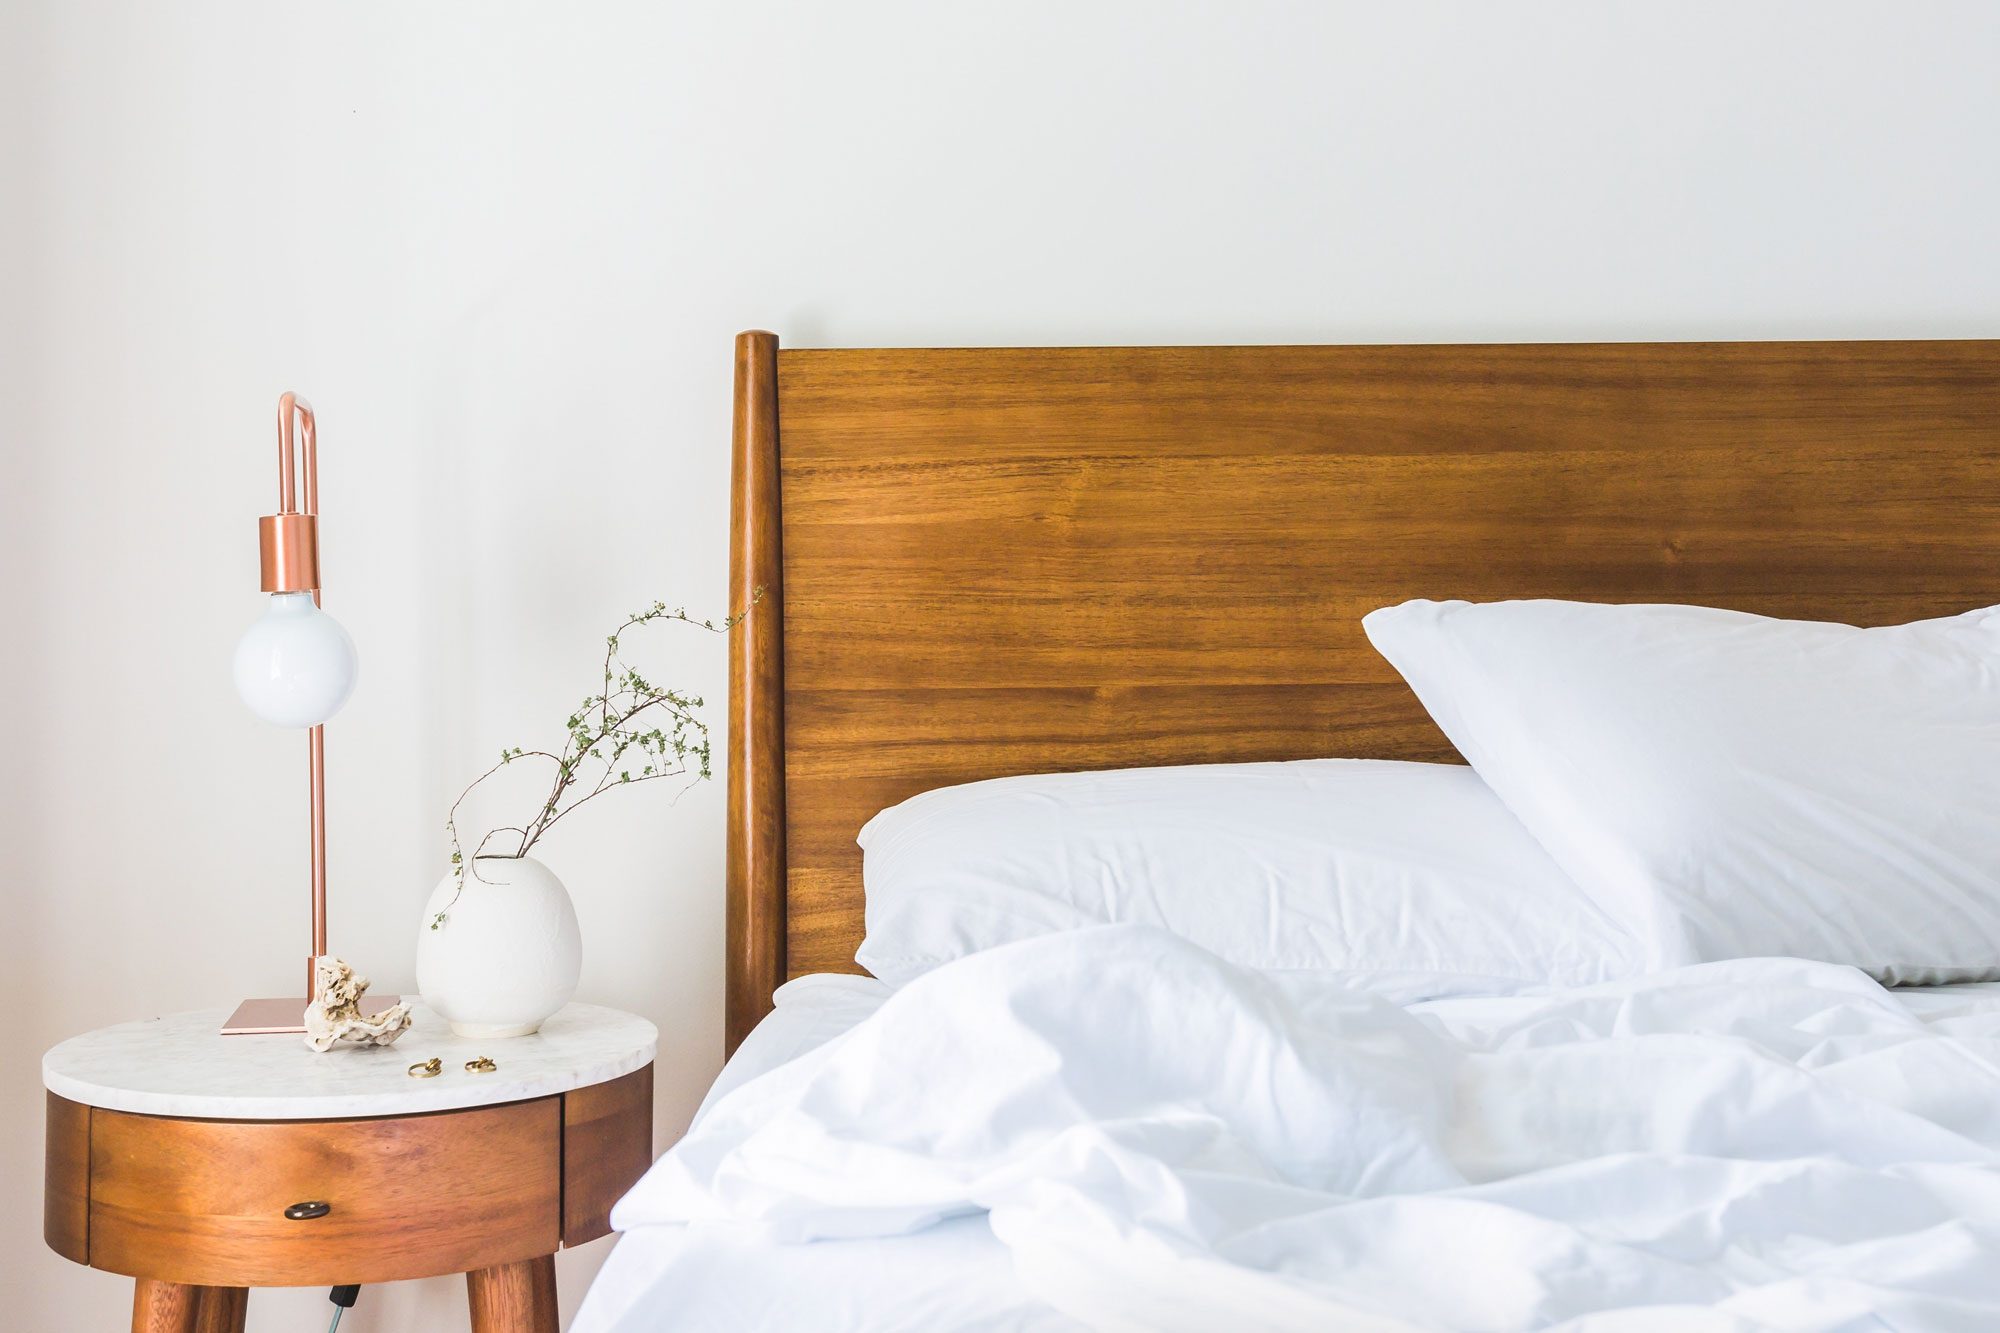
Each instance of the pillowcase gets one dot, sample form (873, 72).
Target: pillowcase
(1411, 880)
(1753, 786)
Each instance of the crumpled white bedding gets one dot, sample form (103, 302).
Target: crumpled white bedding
(1163, 1141)
(950, 1278)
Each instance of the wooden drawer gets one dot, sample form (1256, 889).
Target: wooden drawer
(203, 1201)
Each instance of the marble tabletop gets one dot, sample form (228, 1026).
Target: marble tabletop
(181, 1065)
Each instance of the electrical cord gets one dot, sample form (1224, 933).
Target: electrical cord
(343, 1299)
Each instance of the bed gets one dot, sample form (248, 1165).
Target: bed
(975, 563)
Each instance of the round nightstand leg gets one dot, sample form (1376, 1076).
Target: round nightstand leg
(222, 1310)
(514, 1298)
(164, 1307)
(174, 1307)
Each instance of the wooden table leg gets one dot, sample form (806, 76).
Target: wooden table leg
(175, 1307)
(222, 1309)
(514, 1298)
(164, 1307)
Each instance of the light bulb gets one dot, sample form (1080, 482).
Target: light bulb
(295, 666)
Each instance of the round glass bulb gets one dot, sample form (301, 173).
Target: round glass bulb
(295, 666)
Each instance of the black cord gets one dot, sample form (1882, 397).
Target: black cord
(343, 1299)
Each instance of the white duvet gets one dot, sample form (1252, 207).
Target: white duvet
(1164, 1141)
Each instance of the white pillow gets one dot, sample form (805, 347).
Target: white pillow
(1412, 879)
(1760, 787)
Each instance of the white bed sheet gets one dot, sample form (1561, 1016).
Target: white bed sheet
(679, 1280)
(952, 1275)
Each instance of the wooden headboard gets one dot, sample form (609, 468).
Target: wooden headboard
(995, 561)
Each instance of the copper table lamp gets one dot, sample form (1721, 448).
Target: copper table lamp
(295, 667)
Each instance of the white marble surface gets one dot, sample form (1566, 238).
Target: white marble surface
(181, 1065)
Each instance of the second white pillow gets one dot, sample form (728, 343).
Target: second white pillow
(1758, 786)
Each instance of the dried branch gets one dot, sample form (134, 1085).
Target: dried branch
(627, 712)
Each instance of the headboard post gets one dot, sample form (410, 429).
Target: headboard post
(755, 918)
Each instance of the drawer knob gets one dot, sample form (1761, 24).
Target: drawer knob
(304, 1212)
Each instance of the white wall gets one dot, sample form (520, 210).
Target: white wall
(503, 248)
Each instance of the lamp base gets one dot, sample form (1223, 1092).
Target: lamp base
(262, 1017)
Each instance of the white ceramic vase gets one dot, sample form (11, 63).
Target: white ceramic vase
(508, 954)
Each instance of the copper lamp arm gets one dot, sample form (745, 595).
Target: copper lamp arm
(294, 409)
(289, 539)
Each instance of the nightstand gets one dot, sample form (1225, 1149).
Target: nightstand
(205, 1165)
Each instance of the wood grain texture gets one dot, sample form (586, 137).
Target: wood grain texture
(514, 1298)
(222, 1310)
(607, 1146)
(1020, 560)
(165, 1307)
(755, 914)
(66, 1178)
(202, 1201)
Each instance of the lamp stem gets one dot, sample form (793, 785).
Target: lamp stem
(316, 746)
